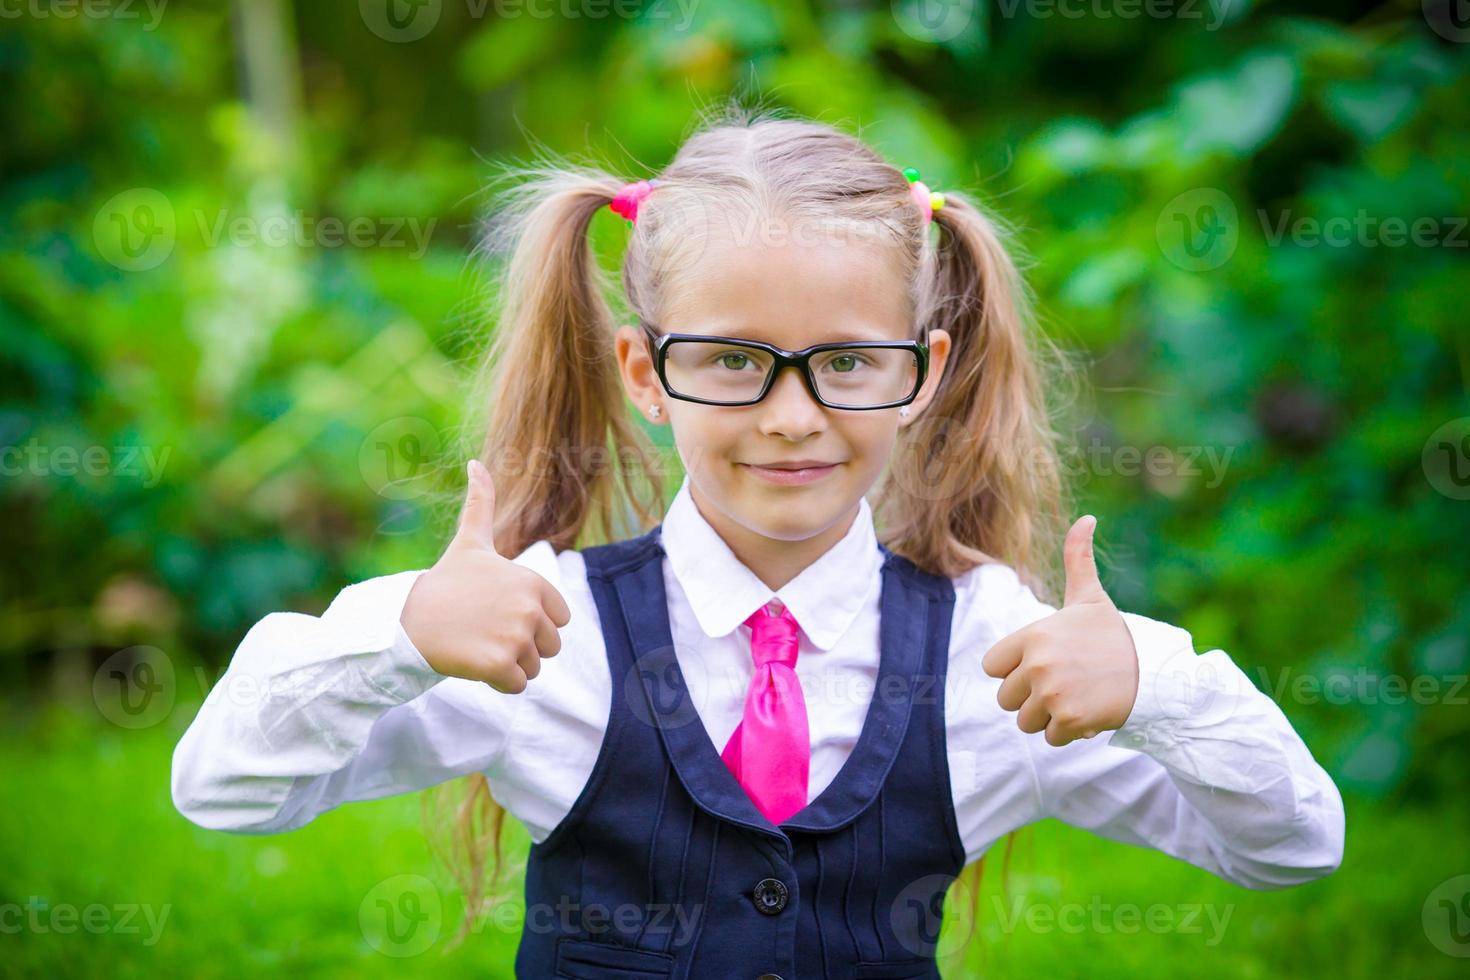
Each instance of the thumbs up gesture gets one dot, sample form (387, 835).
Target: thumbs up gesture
(1074, 673)
(479, 615)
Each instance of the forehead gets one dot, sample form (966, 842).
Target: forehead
(792, 294)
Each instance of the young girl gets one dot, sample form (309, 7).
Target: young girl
(763, 734)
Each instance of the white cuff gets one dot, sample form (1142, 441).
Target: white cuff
(371, 612)
(1173, 684)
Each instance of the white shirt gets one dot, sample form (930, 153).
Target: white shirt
(314, 712)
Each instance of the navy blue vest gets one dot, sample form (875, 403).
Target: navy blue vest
(664, 867)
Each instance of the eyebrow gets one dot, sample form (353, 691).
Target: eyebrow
(841, 336)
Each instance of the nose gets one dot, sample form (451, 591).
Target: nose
(789, 409)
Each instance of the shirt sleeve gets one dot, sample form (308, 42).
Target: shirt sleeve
(1206, 768)
(313, 712)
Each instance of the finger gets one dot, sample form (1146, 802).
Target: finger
(1033, 716)
(548, 640)
(1056, 735)
(530, 662)
(477, 519)
(1083, 585)
(1005, 655)
(514, 681)
(1014, 690)
(555, 605)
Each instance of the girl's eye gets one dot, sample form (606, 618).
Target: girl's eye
(740, 359)
(847, 362)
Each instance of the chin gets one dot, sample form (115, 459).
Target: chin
(784, 516)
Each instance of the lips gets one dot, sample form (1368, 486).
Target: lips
(792, 473)
(800, 464)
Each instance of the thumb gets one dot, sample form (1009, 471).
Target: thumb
(1083, 585)
(477, 519)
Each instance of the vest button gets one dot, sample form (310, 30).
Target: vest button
(770, 895)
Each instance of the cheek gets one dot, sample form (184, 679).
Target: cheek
(703, 437)
(874, 439)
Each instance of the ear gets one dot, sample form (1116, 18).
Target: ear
(640, 379)
(939, 347)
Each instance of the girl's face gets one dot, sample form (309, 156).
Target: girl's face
(793, 296)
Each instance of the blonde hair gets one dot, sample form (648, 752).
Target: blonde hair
(976, 478)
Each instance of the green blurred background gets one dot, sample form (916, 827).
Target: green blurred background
(238, 305)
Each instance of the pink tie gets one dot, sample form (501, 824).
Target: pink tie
(770, 750)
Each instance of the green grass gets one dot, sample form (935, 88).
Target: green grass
(87, 820)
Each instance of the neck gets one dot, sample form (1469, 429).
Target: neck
(772, 560)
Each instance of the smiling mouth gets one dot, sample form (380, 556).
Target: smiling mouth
(787, 475)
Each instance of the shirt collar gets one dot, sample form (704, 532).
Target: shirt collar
(825, 597)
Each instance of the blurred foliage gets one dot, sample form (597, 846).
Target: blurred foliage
(212, 407)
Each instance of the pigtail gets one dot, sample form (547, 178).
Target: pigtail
(978, 476)
(564, 454)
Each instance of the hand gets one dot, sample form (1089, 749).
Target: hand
(479, 615)
(1074, 673)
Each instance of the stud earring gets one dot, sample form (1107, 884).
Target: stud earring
(903, 411)
(654, 410)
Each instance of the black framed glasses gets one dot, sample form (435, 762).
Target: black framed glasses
(858, 375)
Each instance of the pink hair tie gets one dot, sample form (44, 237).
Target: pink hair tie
(925, 200)
(625, 202)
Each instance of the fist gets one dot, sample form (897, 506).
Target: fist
(479, 615)
(1074, 673)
